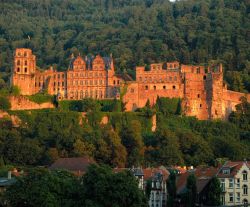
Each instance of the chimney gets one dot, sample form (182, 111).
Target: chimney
(9, 175)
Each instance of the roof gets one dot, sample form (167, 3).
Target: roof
(203, 177)
(148, 173)
(234, 167)
(89, 61)
(79, 164)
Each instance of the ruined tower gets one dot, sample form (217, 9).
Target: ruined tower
(24, 68)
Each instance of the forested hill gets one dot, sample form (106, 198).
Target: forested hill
(136, 32)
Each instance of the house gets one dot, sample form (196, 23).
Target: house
(235, 183)
(76, 165)
(155, 178)
(203, 177)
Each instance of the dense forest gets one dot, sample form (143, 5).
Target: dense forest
(127, 140)
(136, 32)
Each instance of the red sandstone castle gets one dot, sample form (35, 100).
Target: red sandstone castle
(201, 88)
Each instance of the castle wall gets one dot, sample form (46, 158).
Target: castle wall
(23, 103)
(230, 100)
(200, 88)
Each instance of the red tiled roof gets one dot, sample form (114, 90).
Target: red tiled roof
(77, 165)
(234, 167)
(150, 172)
(203, 176)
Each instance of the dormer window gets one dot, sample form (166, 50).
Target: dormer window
(226, 171)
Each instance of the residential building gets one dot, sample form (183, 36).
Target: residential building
(235, 183)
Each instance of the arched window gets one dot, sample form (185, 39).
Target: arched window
(25, 70)
(154, 87)
(18, 69)
(18, 62)
(81, 95)
(86, 94)
(76, 94)
(204, 77)
(245, 190)
(164, 87)
(244, 174)
(245, 202)
(146, 87)
(25, 62)
(174, 87)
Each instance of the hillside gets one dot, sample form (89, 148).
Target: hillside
(136, 32)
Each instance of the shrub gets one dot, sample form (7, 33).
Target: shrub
(4, 103)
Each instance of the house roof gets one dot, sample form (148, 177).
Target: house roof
(233, 166)
(76, 164)
(203, 176)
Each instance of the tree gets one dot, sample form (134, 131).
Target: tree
(4, 103)
(214, 192)
(191, 190)
(41, 187)
(102, 187)
(132, 140)
(171, 187)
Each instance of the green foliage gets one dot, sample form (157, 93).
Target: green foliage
(191, 190)
(168, 106)
(41, 187)
(214, 192)
(171, 187)
(102, 187)
(4, 103)
(41, 98)
(147, 31)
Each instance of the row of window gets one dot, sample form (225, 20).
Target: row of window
(157, 79)
(238, 200)
(19, 70)
(19, 62)
(24, 54)
(86, 83)
(87, 74)
(163, 87)
(83, 67)
(86, 94)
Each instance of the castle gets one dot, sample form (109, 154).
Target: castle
(201, 88)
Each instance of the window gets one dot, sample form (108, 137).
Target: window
(18, 69)
(58, 83)
(58, 76)
(100, 82)
(226, 171)
(132, 90)
(238, 183)
(81, 82)
(146, 87)
(200, 105)
(96, 82)
(174, 87)
(231, 197)
(25, 54)
(76, 83)
(25, 62)
(170, 78)
(244, 173)
(175, 78)
(245, 190)
(140, 78)
(154, 87)
(114, 82)
(238, 197)
(204, 77)
(18, 62)
(231, 183)
(91, 82)
(25, 70)
(198, 70)
(198, 95)
(118, 82)
(164, 87)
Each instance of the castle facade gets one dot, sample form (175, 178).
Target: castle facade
(201, 89)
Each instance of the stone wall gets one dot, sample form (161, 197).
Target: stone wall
(23, 103)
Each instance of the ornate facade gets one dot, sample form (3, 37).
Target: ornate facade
(201, 89)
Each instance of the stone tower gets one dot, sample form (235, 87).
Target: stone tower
(24, 68)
